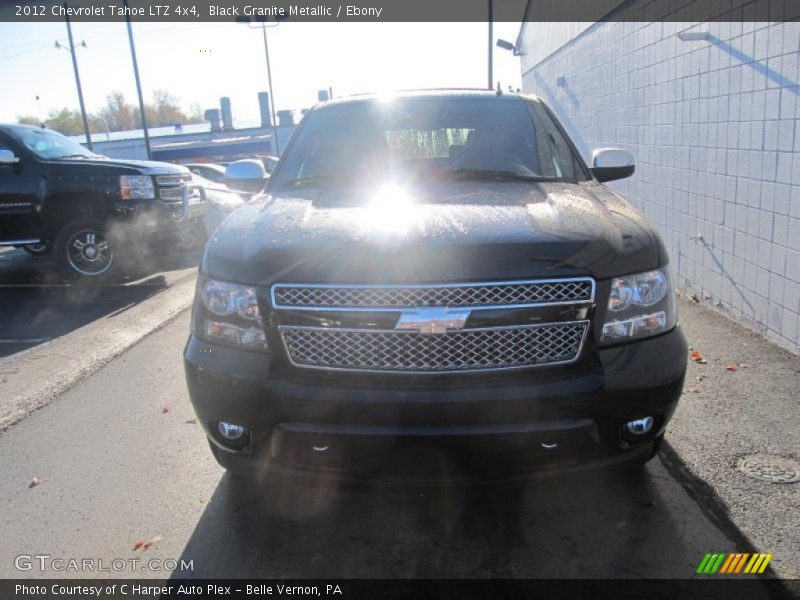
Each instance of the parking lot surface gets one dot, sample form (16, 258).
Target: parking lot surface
(37, 304)
(119, 458)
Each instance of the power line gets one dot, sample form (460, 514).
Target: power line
(37, 46)
(16, 46)
(32, 50)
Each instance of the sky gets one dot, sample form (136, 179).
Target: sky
(199, 63)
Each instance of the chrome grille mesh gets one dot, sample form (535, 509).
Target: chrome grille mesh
(169, 180)
(171, 194)
(169, 187)
(399, 297)
(403, 351)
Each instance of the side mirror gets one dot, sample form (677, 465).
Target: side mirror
(7, 158)
(609, 164)
(246, 176)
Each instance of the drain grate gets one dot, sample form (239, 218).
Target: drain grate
(774, 469)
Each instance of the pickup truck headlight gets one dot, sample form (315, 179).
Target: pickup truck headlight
(639, 305)
(228, 314)
(136, 187)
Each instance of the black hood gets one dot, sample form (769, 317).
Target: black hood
(104, 166)
(461, 231)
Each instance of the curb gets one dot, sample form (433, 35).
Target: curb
(33, 378)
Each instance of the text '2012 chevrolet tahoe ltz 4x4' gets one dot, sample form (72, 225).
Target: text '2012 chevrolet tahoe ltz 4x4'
(437, 275)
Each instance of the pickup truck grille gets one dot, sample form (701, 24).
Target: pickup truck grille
(534, 334)
(406, 351)
(172, 180)
(523, 293)
(169, 187)
(171, 194)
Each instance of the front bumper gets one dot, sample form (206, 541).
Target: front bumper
(469, 426)
(153, 217)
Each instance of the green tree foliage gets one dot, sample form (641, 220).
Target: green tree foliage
(29, 120)
(64, 120)
(119, 115)
(196, 114)
(165, 109)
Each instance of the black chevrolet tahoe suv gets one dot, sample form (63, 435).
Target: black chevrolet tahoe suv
(57, 197)
(433, 286)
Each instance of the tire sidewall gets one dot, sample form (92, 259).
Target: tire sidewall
(44, 249)
(62, 246)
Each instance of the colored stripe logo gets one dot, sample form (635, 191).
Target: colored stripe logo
(734, 562)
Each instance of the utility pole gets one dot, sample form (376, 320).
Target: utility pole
(138, 82)
(271, 95)
(491, 45)
(77, 80)
(263, 25)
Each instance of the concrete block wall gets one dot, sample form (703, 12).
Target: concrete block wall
(714, 127)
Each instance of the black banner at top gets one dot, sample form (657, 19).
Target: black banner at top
(743, 588)
(399, 10)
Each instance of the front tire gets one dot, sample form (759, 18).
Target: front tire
(84, 250)
(40, 249)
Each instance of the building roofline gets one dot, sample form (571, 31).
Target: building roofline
(430, 92)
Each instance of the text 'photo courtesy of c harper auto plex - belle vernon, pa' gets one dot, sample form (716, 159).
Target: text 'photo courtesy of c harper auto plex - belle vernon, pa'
(442, 299)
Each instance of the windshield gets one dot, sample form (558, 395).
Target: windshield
(48, 144)
(406, 139)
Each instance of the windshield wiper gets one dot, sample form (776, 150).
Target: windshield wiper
(71, 156)
(498, 174)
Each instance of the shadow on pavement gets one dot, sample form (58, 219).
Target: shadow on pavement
(715, 510)
(38, 304)
(585, 526)
(17, 267)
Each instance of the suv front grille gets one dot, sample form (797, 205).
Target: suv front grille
(531, 335)
(408, 351)
(523, 293)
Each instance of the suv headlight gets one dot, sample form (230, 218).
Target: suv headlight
(639, 306)
(136, 187)
(228, 314)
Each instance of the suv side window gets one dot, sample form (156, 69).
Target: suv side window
(551, 142)
(6, 144)
(5, 171)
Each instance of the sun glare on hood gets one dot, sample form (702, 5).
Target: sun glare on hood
(390, 209)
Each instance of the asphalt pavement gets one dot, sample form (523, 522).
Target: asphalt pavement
(113, 465)
(740, 403)
(54, 332)
(120, 459)
(37, 304)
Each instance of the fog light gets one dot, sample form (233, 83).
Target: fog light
(639, 426)
(230, 431)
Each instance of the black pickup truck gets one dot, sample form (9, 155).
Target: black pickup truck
(434, 286)
(56, 197)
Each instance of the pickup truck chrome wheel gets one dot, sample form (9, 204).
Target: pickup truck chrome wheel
(89, 253)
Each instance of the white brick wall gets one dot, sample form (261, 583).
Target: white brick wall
(714, 129)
